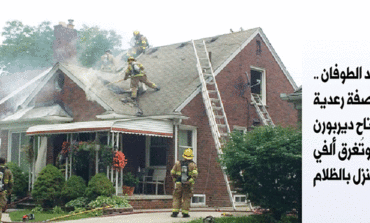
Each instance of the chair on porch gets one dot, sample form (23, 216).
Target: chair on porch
(155, 177)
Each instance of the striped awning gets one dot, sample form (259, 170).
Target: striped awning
(151, 127)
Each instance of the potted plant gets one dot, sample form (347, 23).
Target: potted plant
(129, 183)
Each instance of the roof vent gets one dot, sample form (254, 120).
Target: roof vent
(182, 45)
(213, 39)
(153, 50)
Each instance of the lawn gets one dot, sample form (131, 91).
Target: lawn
(45, 215)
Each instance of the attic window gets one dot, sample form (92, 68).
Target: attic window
(259, 50)
(182, 45)
(153, 50)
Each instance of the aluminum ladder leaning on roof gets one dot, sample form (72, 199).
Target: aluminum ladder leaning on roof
(213, 103)
(261, 110)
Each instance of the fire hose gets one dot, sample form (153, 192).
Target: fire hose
(83, 212)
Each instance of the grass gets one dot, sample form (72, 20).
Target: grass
(250, 219)
(45, 215)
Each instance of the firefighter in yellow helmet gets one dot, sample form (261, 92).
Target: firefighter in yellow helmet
(135, 71)
(184, 174)
(140, 43)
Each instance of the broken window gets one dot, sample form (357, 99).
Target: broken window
(258, 83)
(256, 78)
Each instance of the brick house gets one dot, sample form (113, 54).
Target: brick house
(68, 102)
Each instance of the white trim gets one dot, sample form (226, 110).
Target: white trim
(263, 82)
(193, 137)
(223, 65)
(26, 85)
(176, 141)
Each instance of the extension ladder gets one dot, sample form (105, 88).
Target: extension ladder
(261, 110)
(213, 103)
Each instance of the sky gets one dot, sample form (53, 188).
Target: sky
(287, 24)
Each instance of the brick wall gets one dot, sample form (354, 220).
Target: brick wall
(151, 203)
(236, 99)
(73, 97)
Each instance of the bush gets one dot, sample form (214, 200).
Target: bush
(73, 188)
(99, 185)
(48, 186)
(266, 163)
(77, 203)
(116, 202)
(57, 210)
(20, 187)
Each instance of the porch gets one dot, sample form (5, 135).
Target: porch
(145, 144)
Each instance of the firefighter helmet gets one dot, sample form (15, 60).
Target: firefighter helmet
(188, 154)
(130, 59)
(136, 33)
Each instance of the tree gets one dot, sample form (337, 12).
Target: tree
(266, 163)
(30, 47)
(26, 47)
(93, 42)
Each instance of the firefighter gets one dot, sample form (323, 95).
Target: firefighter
(6, 184)
(135, 71)
(108, 62)
(184, 174)
(140, 42)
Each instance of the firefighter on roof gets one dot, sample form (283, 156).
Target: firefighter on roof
(135, 71)
(6, 184)
(140, 43)
(107, 60)
(184, 174)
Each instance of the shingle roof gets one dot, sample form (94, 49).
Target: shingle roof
(173, 68)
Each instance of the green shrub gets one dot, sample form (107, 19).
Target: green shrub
(48, 186)
(57, 210)
(77, 203)
(99, 185)
(73, 188)
(20, 187)
(266, 163)
(116, 202)
(37, 210)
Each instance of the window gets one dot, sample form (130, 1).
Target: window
(240, 200)
(258, 83)
(198, 200)
(187, 139)
(18, 140)
(156, 151)
(259, 50)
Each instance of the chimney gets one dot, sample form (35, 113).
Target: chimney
(64, 45)
(70, 24)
